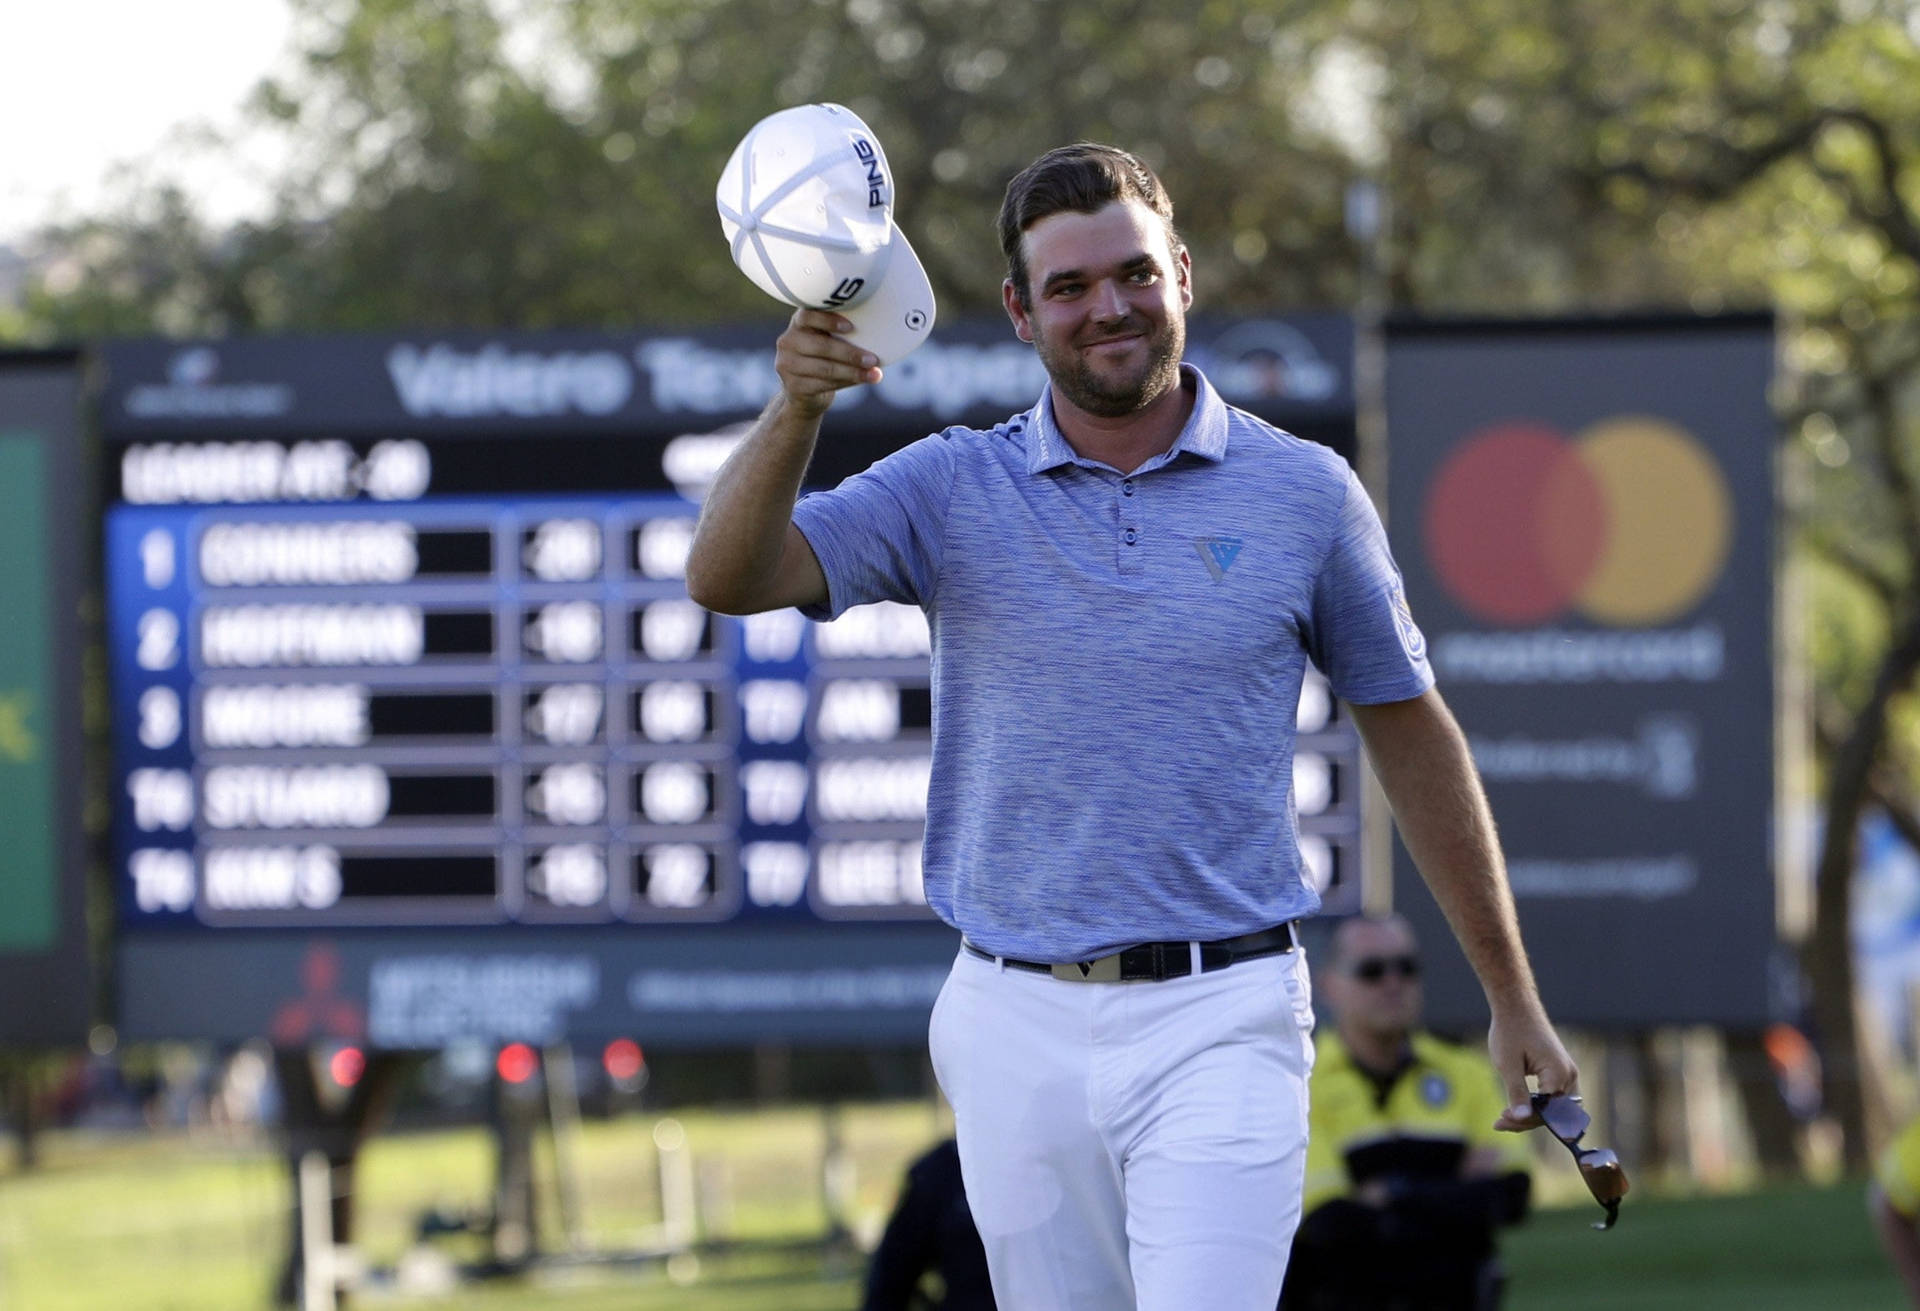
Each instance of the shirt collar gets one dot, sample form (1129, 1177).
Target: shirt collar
(1204, 435)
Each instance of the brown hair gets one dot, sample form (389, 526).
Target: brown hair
(1083, 177)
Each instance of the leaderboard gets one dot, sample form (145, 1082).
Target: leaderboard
(457, 711)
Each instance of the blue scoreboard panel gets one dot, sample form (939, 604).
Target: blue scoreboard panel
(418, 736)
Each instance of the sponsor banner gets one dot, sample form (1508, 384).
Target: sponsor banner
(1292, 370)
(424, 989)
(43, 951)
(1583, 513)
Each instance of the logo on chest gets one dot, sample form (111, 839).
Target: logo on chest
(1218, 554)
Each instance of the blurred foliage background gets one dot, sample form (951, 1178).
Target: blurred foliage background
(532, 163)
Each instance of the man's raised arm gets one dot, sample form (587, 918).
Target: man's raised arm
(1427, 772)
(747, 556)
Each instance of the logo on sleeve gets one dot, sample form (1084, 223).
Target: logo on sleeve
(1411, 637)
(1218, 554)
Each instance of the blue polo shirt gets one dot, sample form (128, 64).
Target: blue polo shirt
(1117, 661)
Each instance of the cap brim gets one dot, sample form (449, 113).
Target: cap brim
(898, 316)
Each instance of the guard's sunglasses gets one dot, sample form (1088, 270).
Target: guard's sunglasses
(1567, 1120)
(1375, 968)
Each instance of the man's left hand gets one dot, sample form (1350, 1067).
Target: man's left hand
(1523, 1044)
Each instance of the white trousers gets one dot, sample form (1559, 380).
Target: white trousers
(1130, 1146)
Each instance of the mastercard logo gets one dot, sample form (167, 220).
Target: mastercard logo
(1627, 523)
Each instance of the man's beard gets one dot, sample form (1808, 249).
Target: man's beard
(1115, 398)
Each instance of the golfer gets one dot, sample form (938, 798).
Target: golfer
(1124, 585)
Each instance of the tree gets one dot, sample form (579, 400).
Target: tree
(544, 164)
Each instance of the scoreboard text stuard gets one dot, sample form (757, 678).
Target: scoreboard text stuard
(418, 736)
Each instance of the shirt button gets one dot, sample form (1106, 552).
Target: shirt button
(1130, 536)
(1127, 487)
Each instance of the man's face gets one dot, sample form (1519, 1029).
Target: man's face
(1370, 989)
(1109, 298)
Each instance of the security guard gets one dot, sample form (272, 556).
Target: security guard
(1406, 1178)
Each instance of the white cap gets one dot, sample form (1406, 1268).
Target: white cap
(806, 203)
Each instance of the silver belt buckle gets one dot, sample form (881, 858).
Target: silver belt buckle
(1104, 970)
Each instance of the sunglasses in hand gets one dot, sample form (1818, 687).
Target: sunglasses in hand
(1567, 1119)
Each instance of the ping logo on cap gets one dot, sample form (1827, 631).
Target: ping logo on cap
(876, 172)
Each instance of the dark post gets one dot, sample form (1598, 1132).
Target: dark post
(314, 1122)
(22, 1109)
(516, 1111)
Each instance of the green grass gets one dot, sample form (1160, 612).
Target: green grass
(1804, 1249)
(178, 1223)
(172, 1223)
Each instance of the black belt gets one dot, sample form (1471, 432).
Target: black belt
(1153, 961)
